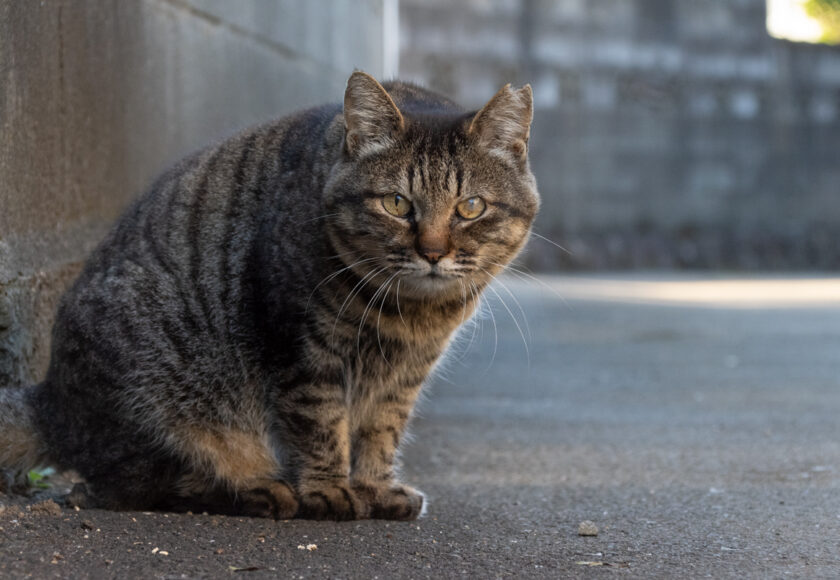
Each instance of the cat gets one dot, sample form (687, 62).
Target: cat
(252, 335)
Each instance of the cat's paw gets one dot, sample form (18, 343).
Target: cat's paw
(332, 502)
(81, 497)
(391, 502)
(270, 499)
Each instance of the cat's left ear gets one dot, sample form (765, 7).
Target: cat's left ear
(503, 126)
(371, 119)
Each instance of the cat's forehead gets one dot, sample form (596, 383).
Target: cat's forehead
(435, 166)
(438, 136)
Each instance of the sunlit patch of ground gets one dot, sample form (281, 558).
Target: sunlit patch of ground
(729, 292)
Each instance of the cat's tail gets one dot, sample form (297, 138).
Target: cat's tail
(21, 446)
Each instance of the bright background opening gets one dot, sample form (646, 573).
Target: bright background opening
(816, 21)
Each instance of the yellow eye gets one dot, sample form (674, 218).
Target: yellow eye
(471, 208)
(397, 205)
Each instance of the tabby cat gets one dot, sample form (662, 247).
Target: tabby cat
(252, 335)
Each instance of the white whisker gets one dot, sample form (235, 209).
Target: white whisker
(368, 307)
(516, 322)
(518, 305)
(471, 321)
(552, 242)
(379, 318)
(333, 275)
(360, 284)
(526, 276)
(325, 216)
(399, 311)
(495, 335)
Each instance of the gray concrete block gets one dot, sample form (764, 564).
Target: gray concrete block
(98, 97)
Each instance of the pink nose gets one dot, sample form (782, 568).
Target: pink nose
(433, 244)
(432, 255)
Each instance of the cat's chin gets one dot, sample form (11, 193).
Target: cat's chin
(432, 285)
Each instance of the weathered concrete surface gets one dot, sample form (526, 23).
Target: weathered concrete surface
(699, 434)
(97, 97)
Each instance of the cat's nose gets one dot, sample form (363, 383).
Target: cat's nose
(433, 243)
(432, 255)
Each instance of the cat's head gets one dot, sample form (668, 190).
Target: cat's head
(427, 194)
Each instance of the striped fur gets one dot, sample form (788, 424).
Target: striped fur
(253, 334)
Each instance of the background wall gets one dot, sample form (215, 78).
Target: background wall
(668, 133)
(96, 97)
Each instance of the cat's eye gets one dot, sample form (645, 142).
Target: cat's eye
(471, 208)
(396, 204)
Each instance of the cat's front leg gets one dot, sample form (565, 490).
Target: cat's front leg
(375, 443)
(317, 433)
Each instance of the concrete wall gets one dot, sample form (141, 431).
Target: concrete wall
(97, 97)
(667, 132)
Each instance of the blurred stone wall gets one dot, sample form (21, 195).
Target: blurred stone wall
(668, 133)
(96, 97)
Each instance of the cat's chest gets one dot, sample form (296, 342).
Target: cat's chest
(393, 364)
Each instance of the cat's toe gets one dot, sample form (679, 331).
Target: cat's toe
(333, 502)
(394, 502)
(81, 497)
(273, 499)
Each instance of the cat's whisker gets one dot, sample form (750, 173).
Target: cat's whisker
(518, 305)
(465, 350)
(489, 310)
(464, 299)
(473, 319)
(552, 242)
(368, 308)
(356, 289)
(477, 294)
(399, 310)
(331, 277)
(379, 319)
(526, 276)
(456, 343)
(340, 255)
(329, 215)
(515, 321)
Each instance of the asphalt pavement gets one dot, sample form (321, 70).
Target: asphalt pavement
(694, 420)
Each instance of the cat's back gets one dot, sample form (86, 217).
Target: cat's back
(174, 274)
(206, 209)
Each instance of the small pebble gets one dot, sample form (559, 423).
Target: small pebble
(587, 528)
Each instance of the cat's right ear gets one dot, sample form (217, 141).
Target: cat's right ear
(371, 119)
(503, 126)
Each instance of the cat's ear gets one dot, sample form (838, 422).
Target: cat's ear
(504, 124)
(371, 119)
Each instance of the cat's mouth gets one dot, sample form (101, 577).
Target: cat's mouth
(434, 272)
(431, 281)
